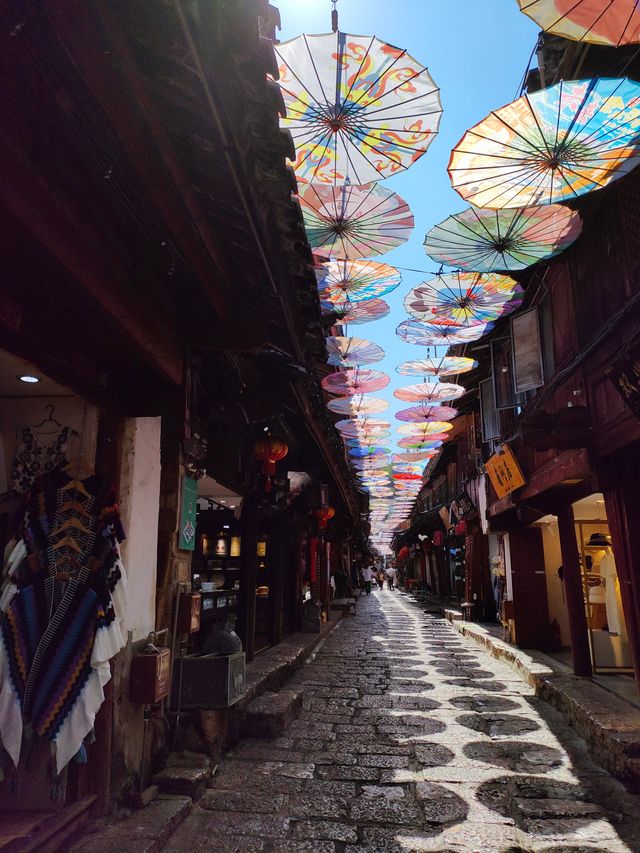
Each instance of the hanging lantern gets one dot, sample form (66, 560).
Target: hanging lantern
(323, 514)
(269, 450)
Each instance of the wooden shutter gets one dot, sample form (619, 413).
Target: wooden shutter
(527, 352)
(489, 413)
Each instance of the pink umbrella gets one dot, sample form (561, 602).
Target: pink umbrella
(425, 428)
(426, 414)
(414, 457)
(418, 442)
(356, 313)
(429, 392)
(360, 405)
(355, 381)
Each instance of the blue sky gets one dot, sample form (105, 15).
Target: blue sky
(476, 51)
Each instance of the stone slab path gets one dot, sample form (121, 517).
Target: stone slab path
(412, 738)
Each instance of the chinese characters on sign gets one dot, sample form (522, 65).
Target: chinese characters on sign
(187, 540)
(504, 472)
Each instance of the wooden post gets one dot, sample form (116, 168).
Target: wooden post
(248, 574)
(574, 593)
(278, 568)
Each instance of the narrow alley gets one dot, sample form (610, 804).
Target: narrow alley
(412, 738)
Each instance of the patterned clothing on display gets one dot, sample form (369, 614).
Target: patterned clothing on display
(37, 454)
(63, 602)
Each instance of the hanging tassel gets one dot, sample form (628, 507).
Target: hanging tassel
(81, 755)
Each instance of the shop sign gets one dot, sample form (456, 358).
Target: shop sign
(187, 540)
(443, 512)
(625, 375)
(504, 472)
(462, 504)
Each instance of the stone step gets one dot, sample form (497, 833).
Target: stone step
(146, 831)
(270, 714)
(185, 774)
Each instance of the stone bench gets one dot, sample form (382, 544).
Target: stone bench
(346, 605)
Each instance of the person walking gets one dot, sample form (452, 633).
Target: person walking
(380, 579)
(391, 576)
(367, 575)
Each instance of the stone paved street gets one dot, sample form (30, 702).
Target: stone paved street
(412, 739)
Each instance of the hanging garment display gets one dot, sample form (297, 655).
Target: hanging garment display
(38, 453)
(613, 599)
(63, 602)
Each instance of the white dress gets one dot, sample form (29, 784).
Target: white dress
(613, 600)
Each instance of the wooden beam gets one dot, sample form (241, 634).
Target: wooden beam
(36, 206)
(248, 574)
(572, 578)
(92, 35)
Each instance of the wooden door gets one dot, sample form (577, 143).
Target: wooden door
(529, 584)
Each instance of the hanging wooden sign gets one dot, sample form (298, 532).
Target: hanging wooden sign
(504, 472)
(625, 375)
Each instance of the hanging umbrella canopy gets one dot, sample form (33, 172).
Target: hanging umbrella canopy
(352, 352)
(362, 426)
(354, 221)
(369, 452)
(429, 393)
(461, 298)
(555, 144)
(358, 405)
(348, 281)
(408, 467)
(426, 414)
(355, 381)
(357, 313)
(427, 429)
(407, 477)
(448, 365)
(412, 457)
(605, 22)
(358, 109)
(367, 439)
(438, 335)
(417, 442)
(490, 240)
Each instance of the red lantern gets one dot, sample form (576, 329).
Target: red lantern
(438, 538)
(269, 450)
(403, 553)
(323, 515)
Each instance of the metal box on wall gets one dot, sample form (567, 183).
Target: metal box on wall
(150, 676)
(208, 681)
(189, 607)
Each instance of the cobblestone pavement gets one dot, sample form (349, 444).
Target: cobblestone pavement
(412, 739)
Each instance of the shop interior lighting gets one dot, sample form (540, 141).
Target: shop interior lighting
(29, 379)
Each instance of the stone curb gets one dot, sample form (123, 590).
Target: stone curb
(609, 725)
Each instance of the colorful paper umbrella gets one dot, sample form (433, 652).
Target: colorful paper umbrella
(362, 425)
(448, 365)
(353, 382)
(406, 477)
(426, 414)
(424, 454)
(418, 443)
(352, 352)
(461, 298)
(355, 281)
(366, 440)
(364, 452)
(606, 22)
(429, 392)
(425, 428)
(408, 467)
(354, 221)
(489, 240)
(358, 109)
(437, 335)
(357, 405)
(551, 145)
(356, 313)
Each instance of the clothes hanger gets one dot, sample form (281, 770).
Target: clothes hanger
(69, 542)
(71, 522)
(77, 486)
(75, 506)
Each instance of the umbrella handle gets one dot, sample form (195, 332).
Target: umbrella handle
(334, 16)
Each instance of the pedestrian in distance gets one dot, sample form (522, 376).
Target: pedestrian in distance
(380, 579)
(391, 576)
(367, 575)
